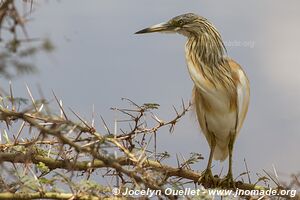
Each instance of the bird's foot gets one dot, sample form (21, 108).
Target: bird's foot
(228, 181)
(207, 179)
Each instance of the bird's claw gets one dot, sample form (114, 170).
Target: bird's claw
(228, 181)
(207, 179)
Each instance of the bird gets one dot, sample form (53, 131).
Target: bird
(221, 91)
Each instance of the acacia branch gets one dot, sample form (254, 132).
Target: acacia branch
(167, 170)
(89, 145)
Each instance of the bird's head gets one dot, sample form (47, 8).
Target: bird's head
(187, 24)
(201, 35)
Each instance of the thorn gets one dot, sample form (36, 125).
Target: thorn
(178, 163)
(80, 118)
(41, 108)
(271, 178)
(182, 102)
(155, 145)
(19, 132)
(47, 109)
(185, 163)
(93, 116)
(105, 126)
(175, 110)
(11, 96)
(59, 102)
(115, 126)
(248, 173)
(158, 120)
(31, 97)
(275, 172)
(140, 160)
(221, 172)
(7, 123)
(131, 102)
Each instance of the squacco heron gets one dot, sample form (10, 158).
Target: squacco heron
(221, 88)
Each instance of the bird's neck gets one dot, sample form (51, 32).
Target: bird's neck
(205, 54)
(207, 48)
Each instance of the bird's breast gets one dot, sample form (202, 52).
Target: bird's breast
(216, 89)
(214, 95)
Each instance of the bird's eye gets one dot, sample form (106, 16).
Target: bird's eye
(180, 22)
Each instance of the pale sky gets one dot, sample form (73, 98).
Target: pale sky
(98, 60)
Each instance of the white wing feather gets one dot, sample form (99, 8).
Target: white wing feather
(243, 93)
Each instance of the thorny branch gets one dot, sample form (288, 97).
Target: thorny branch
(58, 143)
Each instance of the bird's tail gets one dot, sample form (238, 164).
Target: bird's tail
(221, 152)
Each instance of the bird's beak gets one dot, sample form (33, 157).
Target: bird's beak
(162, 27)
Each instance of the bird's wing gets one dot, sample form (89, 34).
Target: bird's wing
(243, 98)
(243, 92)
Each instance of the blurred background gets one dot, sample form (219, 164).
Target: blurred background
(98, 60)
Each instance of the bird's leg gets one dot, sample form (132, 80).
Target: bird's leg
(207, 177)
(229, 176)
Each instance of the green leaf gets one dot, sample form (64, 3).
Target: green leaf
(44, 180)
(42, 167)
(150, 105)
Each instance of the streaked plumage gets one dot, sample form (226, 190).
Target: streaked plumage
(221, 88)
